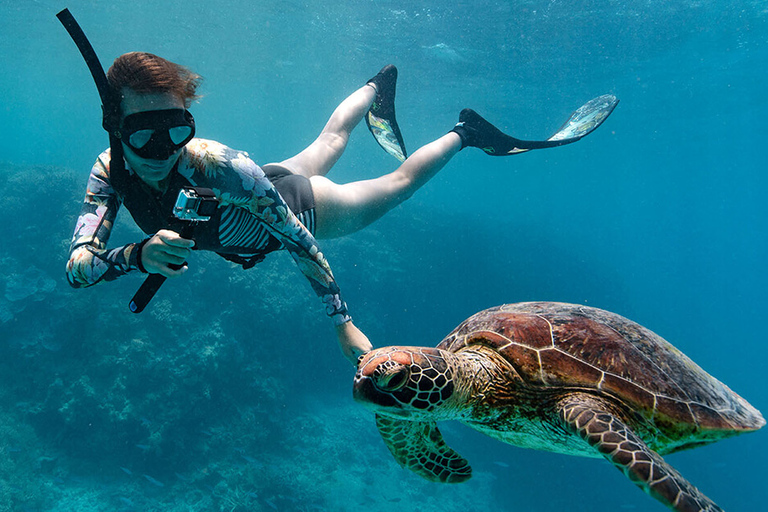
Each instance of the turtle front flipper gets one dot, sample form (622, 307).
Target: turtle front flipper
(419, 446)
(594, 422)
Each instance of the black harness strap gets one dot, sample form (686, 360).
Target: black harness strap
(246, 261)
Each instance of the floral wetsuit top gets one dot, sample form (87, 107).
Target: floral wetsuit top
(239, 184)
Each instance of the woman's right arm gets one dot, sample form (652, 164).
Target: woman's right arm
(89, 259)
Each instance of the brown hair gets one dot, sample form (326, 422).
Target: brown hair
(147, 73)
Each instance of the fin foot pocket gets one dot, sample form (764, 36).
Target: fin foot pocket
(475, 131)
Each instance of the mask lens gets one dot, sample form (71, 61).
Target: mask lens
(179, 134)
(158, 134)
(139, 139)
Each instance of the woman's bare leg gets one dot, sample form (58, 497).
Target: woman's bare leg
(318, 158)
(344, 209)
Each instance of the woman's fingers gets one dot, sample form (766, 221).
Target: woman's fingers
(174, 239)
(166, 248)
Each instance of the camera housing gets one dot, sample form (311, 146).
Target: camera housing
(195, 204)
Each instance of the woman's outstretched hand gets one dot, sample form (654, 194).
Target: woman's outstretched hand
(166, 248)
(352, 341)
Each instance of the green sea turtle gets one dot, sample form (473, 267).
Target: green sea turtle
(559, 377)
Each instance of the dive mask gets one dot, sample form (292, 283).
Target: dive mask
(157, 134)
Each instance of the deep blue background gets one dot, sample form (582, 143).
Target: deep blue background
(660, 216)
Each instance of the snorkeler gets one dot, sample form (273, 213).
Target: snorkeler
(285, 205)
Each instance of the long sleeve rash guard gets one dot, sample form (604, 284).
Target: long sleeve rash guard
(237, 182)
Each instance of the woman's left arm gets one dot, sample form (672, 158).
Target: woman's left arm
(249, 188)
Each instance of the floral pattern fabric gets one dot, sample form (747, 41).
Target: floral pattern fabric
(236, 180)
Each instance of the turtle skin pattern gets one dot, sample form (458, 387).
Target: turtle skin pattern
(647, 469)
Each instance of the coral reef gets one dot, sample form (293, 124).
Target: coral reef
(228, 393)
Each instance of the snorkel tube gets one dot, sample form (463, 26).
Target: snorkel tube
(110, 101)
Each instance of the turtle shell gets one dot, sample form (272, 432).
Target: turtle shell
(565, 347)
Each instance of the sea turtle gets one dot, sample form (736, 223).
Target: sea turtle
(559, 377)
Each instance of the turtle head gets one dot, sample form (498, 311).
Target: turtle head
(404, 381)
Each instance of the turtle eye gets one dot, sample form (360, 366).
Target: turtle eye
(391, 377)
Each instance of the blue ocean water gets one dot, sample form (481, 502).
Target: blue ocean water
(229, 393)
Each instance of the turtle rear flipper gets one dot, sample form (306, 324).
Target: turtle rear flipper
(592, 420)
(419, 446)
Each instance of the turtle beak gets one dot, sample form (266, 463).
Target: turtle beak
(365, 391)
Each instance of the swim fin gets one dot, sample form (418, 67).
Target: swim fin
(475, 131)
(381, 117)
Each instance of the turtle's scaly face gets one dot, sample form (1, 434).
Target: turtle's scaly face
(404, 381)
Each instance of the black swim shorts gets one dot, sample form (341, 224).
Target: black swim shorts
(296, 191)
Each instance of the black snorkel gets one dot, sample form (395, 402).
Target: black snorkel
(110, 101)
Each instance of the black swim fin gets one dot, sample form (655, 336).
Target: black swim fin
(477, 132)
(381, 117)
